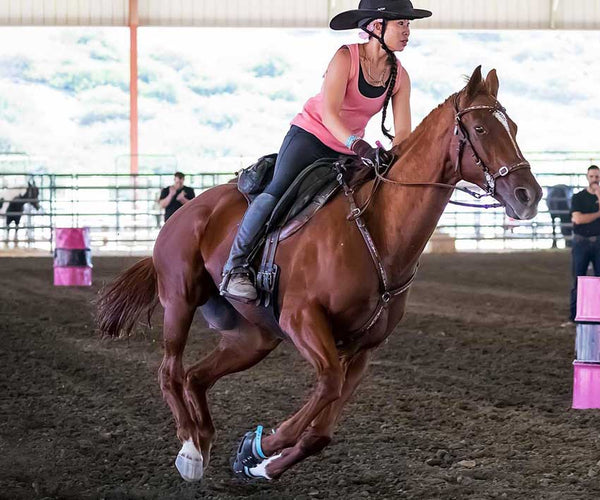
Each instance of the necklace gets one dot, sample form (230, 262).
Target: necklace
(378, 82)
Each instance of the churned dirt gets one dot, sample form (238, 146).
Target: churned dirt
(469, 398)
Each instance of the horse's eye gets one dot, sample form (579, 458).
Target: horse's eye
(479, 129)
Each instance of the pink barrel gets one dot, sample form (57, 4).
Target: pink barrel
(588, 299)
(586, 368)
(72, 257)
(586, 385)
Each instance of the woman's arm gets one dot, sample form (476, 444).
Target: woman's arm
(401, 108)
(334, 90)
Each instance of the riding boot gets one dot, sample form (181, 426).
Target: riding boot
(237, 282)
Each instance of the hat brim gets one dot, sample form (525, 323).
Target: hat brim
(351, 18)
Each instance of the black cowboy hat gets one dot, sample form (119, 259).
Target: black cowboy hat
(376, 9)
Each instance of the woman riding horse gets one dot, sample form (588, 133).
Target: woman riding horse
(343, 283)
(361, 81)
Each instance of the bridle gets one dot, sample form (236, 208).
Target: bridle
(386, 292)
(490, 178)
(381, 167)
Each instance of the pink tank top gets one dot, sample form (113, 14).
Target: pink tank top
(356, 110)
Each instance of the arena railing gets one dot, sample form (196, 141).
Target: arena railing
(123, 214)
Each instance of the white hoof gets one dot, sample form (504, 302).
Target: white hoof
(189, 462)
(261, 469)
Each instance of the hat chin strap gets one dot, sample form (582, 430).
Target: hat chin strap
(380, 38)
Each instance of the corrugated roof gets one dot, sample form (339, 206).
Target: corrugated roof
(448, 14)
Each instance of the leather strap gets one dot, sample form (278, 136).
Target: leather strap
(266, 277)
(386, 293)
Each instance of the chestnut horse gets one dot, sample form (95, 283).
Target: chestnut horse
(328, 286)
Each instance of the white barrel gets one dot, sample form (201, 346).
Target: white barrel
(587, 342)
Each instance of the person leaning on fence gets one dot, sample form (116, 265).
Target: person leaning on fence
(585, 215)
(174, 197)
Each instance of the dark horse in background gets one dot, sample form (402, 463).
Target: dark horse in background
(16, 206)
(329, 286)
(559, 206)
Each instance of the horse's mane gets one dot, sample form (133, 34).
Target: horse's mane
(399, 149)
(361, 175)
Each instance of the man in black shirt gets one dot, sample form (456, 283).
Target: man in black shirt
(585, 215)
(175, 196)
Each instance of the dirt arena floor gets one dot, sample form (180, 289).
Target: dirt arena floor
(469, 399)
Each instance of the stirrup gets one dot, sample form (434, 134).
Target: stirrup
(227, 275)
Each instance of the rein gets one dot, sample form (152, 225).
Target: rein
(381, 168)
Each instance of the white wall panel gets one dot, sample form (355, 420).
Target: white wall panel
(233, 13)
(63, 12)
(578, 14)
(448, 14)
(482, 14)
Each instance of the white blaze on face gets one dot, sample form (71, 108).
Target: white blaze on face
(501, 117)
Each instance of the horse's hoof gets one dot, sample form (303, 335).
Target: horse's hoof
(189, 462)
(260, 471)
(250, 461)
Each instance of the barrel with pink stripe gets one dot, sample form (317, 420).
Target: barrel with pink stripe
(72, 257)
(586, 368)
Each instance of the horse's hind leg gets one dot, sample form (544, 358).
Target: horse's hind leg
(238, 350)
(177, 320)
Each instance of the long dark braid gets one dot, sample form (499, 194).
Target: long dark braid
(392, 81)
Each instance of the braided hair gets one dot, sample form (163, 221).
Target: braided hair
(393, 74)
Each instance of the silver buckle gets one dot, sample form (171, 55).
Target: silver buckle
(503, 171)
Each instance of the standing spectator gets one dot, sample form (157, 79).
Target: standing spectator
(585, 215)
(175, 196)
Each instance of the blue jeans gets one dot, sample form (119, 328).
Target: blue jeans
(584, 251)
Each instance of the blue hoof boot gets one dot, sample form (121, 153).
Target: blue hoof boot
(249, 456)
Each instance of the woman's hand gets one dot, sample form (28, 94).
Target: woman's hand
(376, 155)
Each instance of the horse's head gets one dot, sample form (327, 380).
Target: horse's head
(487, 153)
(32, 195)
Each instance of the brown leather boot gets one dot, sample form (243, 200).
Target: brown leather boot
(240, 287)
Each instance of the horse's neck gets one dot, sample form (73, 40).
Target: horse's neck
(403, 217)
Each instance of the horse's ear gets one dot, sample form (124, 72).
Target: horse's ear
(492, 83)
(474, 82)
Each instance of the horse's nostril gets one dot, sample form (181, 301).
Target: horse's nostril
(522, 194)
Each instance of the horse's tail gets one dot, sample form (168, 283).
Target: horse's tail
(133, 293)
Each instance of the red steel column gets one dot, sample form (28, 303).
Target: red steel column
(133, 86)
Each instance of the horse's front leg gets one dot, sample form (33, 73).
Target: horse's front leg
(320, 433)
(310, 331)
